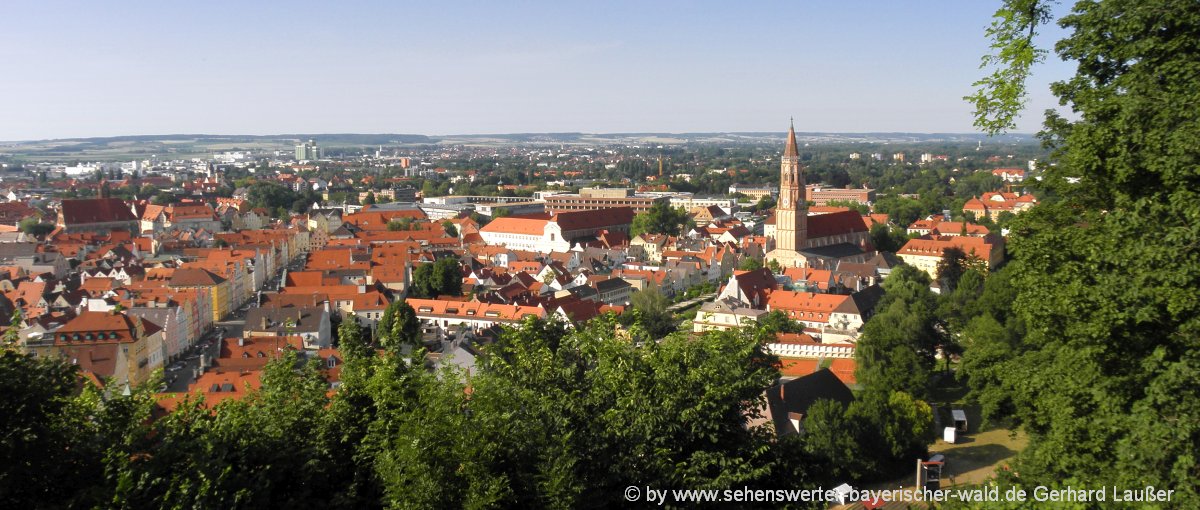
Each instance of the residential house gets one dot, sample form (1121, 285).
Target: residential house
(112, 346)
(310, 323)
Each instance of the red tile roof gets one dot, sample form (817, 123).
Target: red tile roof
(837, 223)
(516, 225)
(95, 210)
(582, 220)
(935, 246)
(194, 277)
(805, 305)
(103, 327)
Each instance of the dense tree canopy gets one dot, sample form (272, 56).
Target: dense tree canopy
(1103, 376)
(649, 309)
(554, 419)
(441, 278)
(898, 345)
(660, 219)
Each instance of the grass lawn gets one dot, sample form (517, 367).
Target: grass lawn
(976, 454)
(979, 451)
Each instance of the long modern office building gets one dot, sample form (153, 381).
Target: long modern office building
(594, 199)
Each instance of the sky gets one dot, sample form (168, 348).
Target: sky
(86, 68)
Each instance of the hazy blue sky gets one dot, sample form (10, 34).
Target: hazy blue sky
(89, 68)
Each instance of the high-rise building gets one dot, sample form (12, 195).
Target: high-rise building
(308, 151)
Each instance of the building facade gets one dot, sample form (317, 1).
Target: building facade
(791, 213)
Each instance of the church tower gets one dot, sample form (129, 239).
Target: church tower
(791, 211)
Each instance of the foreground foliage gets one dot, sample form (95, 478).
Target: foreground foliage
(553, 418)
(1101, 364)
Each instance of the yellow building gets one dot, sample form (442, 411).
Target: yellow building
(219, 288)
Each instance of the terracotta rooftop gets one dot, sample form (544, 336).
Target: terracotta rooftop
(95, 210)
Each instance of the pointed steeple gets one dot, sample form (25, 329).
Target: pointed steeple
(791, 151)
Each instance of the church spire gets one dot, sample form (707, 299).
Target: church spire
(791, 151)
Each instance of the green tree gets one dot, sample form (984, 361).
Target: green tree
(350, 339)
(660, 219)
(34, 227)
(1103, 375)
(958, 306)
(764, 204)
(650, 311)
(383, 328)
(163, 198)
(775, 266)
(903, 211)
(1001, 96)
(988, 345)
(750, 264)
(400, 224)
(830, 433)
(888, 239)
(406, 327)
(449, 228)
(370, 198)
(444, 278)
(423, 283)
(63, 445)
(266, 449)
(562, 420)
(900, 426)
(776, 321)
(951, 268)
(898, 344)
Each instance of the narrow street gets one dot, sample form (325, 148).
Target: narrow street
(684, 304)
(183, 372)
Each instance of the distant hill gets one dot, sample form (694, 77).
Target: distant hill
(199, 145)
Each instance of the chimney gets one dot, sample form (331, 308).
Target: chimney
(241, 341)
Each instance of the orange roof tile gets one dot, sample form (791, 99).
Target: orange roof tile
(515, 225)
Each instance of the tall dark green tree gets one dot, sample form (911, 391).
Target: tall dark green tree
(447, 277)
(951, 268)
(350, 339)
(1108, 264)
(885, 238)
(899, 343)
(406, 328)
